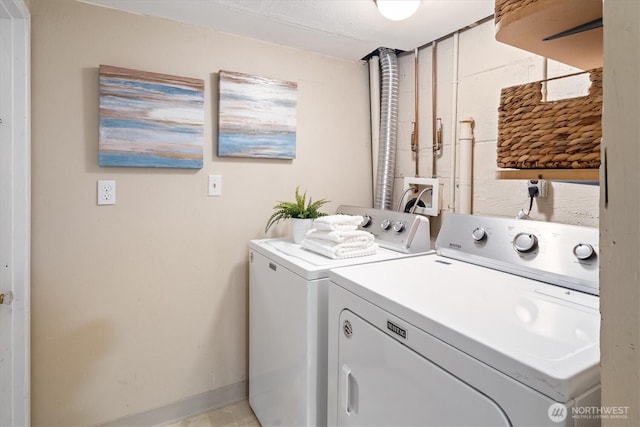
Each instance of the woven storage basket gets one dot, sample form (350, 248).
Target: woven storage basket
(504, 8)
(550, 135)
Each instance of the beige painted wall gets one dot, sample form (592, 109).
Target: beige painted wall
(143, 304)
(620, 220)
(485, 66)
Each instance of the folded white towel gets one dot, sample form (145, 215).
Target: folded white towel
(339, 222)
(339, 250)
(354, 236)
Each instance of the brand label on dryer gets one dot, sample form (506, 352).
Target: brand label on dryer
(397, 330)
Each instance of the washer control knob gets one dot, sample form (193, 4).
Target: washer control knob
(385, 224)
(366, 221)
(525, 242)
(583, 251)
(479, 234)
(398, 227)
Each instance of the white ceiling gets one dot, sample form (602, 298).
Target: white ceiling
(348, 29)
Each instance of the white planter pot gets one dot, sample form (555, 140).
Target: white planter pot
(299, 228)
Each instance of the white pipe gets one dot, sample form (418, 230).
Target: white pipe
(454, 122)
(466, 165)
(374, 90)
(545, 71)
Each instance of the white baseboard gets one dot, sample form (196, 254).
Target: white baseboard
(191, 406)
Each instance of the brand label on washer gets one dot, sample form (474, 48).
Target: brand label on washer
(397, 329)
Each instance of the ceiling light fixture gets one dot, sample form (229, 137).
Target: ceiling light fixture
(397, 10)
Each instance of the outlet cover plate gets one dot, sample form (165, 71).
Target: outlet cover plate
(540, 184)
(106, 192)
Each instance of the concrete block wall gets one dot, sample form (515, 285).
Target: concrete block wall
(485, 66)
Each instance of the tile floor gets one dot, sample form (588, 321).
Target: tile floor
(234, 415)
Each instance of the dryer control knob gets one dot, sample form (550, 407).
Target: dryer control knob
(525, 242)
(479, 234)
(398, 227)
(366, 221)
(385, 224)
(583, 251)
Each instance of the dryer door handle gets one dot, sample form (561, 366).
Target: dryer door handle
(346, 372)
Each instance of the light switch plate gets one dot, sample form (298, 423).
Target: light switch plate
(215, 185)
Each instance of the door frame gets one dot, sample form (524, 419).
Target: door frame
(15, 182)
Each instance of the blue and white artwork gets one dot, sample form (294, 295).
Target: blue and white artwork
(257, 117)
(150, 120)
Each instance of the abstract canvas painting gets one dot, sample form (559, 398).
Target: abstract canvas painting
(257, 117)
(150, 120)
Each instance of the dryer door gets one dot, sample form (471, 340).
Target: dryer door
(385, 383)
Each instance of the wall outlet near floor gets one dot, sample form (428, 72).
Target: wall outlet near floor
(215, 185)
(106, 192)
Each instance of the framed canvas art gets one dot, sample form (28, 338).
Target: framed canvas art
(257, 117)
(150, 120)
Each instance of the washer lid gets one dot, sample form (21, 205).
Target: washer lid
(540, 335)
(311, 265)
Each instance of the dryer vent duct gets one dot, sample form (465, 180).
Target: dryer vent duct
(388, 129)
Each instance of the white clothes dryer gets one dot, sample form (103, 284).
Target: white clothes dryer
(288, 315)
(500, 328)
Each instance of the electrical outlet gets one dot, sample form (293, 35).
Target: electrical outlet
(538, 186)
(106, 192)
(215, 185)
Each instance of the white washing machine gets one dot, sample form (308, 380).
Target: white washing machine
(288, 315)
(500, 328)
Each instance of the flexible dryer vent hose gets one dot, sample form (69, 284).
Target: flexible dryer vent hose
(388, 129)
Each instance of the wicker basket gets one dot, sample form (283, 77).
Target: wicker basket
(504, 8)
(550, 135)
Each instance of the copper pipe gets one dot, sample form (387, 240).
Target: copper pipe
(434, 97)
(416, 130)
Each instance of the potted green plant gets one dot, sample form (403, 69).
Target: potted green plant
(300, 211)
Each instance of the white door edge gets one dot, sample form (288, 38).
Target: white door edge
(15, 176)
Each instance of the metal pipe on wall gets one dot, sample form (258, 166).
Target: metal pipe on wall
(374, 100)
(415, 146)
(454, 121)
(434, 99)
(388, 129)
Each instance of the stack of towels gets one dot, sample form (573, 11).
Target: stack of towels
(337, 237)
